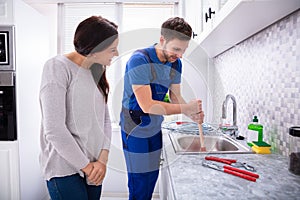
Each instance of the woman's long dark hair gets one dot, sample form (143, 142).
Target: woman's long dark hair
(95, 34)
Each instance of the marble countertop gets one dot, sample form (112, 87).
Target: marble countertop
(192, 181)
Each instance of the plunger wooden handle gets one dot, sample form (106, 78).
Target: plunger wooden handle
(202, 147)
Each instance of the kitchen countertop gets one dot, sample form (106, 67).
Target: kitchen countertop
(191, 181)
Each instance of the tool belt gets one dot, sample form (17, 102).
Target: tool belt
(132, 118)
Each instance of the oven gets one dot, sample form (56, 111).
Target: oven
(8, 121)
(7, 61)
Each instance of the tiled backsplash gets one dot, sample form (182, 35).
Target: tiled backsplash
(263, 73)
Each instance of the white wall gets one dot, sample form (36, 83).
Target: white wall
(32, 50)
(195, 83)
(49, 13)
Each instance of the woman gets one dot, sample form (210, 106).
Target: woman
(76, 128)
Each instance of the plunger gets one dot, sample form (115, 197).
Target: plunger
(202, 147)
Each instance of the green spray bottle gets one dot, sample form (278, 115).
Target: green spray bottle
(255, 132)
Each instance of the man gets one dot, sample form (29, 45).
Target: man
(150, 74)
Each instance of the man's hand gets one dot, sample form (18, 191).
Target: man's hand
(193, 110)
(198, 117)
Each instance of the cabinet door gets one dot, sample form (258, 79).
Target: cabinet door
(209, 8)
(6, 12)
(165, 187)
(9, 170)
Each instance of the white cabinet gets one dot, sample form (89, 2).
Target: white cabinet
(240, 19)
(210, 8)
(166, 191)
(6, 12)
(9, 170)
(165, 186)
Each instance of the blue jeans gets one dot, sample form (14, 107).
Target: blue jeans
(72, 187)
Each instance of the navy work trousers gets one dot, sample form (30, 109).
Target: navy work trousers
(142, 156)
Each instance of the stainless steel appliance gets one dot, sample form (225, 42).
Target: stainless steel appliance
(8, 122)
(7, 61)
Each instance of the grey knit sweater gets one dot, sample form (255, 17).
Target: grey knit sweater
(75, 124)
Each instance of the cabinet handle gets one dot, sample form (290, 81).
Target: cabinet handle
(208, 16)
(161, 162)
(194, 34)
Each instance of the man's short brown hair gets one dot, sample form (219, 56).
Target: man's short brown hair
(176, 27)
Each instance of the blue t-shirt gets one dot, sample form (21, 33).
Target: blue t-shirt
(138, 72)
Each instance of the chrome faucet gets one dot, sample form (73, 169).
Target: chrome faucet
(232, 130)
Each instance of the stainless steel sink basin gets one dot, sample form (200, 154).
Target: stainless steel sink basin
(216, 144)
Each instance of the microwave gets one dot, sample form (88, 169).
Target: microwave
(7, 48)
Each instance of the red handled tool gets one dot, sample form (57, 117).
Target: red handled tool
(231, 170)
(222, 160)
(231, 162)
(180, 123)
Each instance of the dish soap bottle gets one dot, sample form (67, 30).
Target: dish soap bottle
(166, 98)
(255, 132)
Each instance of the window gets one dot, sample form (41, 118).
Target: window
(75, 13)
(134, 21)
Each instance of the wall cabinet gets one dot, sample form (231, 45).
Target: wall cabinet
(239, 19)
(6, 12)
(209, 10)
(9, 170)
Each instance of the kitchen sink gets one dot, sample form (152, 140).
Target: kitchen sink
(214, 144)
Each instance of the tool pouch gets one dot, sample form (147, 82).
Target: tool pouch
(132, 119)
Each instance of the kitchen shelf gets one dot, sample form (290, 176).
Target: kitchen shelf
(240, 19)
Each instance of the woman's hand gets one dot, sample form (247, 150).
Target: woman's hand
(95, 172)
(98, 173)
(88, 169)
(99, 168)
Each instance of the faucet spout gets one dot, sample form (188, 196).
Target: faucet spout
(224, 108)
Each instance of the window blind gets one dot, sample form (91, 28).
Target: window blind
(128, 16)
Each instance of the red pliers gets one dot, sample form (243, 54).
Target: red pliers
(231, 162)
(229, 169)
